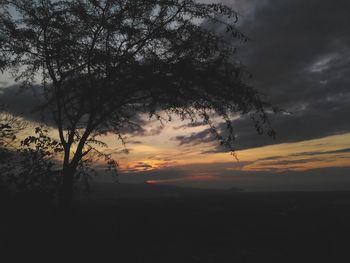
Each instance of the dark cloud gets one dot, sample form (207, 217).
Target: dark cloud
(142, 126)
(345, 150)
(142, 165)
(271, 158)
(23, 102)
(283, 159)
(195, 138)
(299, 54)
(189, 125)
(290, 162)
(133, 142)
(300, 57)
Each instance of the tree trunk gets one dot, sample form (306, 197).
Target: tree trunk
(69, 170)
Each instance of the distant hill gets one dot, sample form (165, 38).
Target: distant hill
(103, 190)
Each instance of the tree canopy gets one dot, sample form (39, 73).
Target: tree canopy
(102, 62)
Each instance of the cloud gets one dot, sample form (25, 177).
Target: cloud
(133, 142)
(290, 162)
(345, 150)
(195, 138)
(25, 102)
(143, 165)
(300, 57)
(299, 54)
(22, 102)
(189, 125)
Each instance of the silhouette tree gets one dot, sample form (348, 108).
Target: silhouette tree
(101, 63)
(10, 126)
(30, 165)
(26, 165)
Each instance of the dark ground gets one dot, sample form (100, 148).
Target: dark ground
(184, 227)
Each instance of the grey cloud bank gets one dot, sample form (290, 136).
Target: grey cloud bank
(299, 55)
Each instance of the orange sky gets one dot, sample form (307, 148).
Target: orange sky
(158, 153)
(161, 151)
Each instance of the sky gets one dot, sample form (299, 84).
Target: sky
(299, 55)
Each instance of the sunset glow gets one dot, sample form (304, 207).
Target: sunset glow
(309, 81)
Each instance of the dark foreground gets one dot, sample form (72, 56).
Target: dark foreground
(207, 227)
